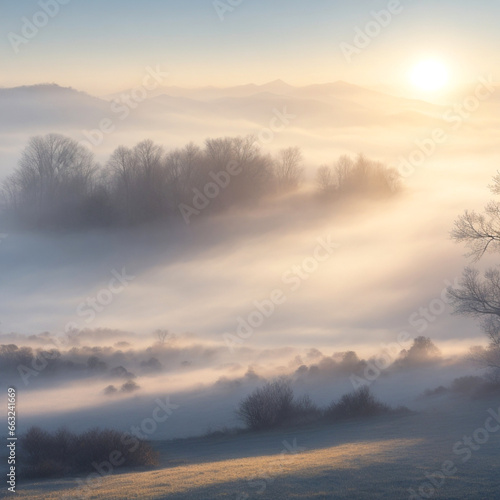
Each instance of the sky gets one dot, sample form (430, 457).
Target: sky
(198, 280)
(104, 46)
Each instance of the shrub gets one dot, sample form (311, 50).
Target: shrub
(45, 469)
(359, 403)
(269, 406)
(36, 444)
(438, 391)
(467, 385)
(304, 410)
(477, 387)
(488, 389)
(63, 453)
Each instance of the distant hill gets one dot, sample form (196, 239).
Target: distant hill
(324, 115)
(325, 105)
(48, 105)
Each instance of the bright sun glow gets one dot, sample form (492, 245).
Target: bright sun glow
(430, 76)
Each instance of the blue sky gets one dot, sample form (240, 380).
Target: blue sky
(103, 46)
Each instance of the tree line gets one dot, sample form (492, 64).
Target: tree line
(58, 184)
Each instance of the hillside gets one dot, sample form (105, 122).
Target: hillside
(378, 458)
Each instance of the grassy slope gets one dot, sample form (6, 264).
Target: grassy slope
(378, 458)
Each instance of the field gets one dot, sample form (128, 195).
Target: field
(361, 459)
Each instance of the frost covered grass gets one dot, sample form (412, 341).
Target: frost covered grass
(378, 458)
(240, 476)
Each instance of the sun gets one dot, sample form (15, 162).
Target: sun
(430, 75)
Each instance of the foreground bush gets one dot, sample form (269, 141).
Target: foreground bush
(274, 405)
(304, 410)
(268, 406)
(359, 403)
(63, 453)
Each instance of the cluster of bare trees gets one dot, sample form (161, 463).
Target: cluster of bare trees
(58, 184)
(55, 175)
(361, 176)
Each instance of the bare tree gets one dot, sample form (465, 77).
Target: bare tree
(148, 157)
(220, 151)
(366, 176)
(185, 170)
(363, 176)
(325, 180)
(343, 172)
(54, 177)
(121, 165)
(489, 356)
(480, 232)
(478, 295)
(288, 168)
(243, 155)
(150, 182)
(165, 335)
(245, 149)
